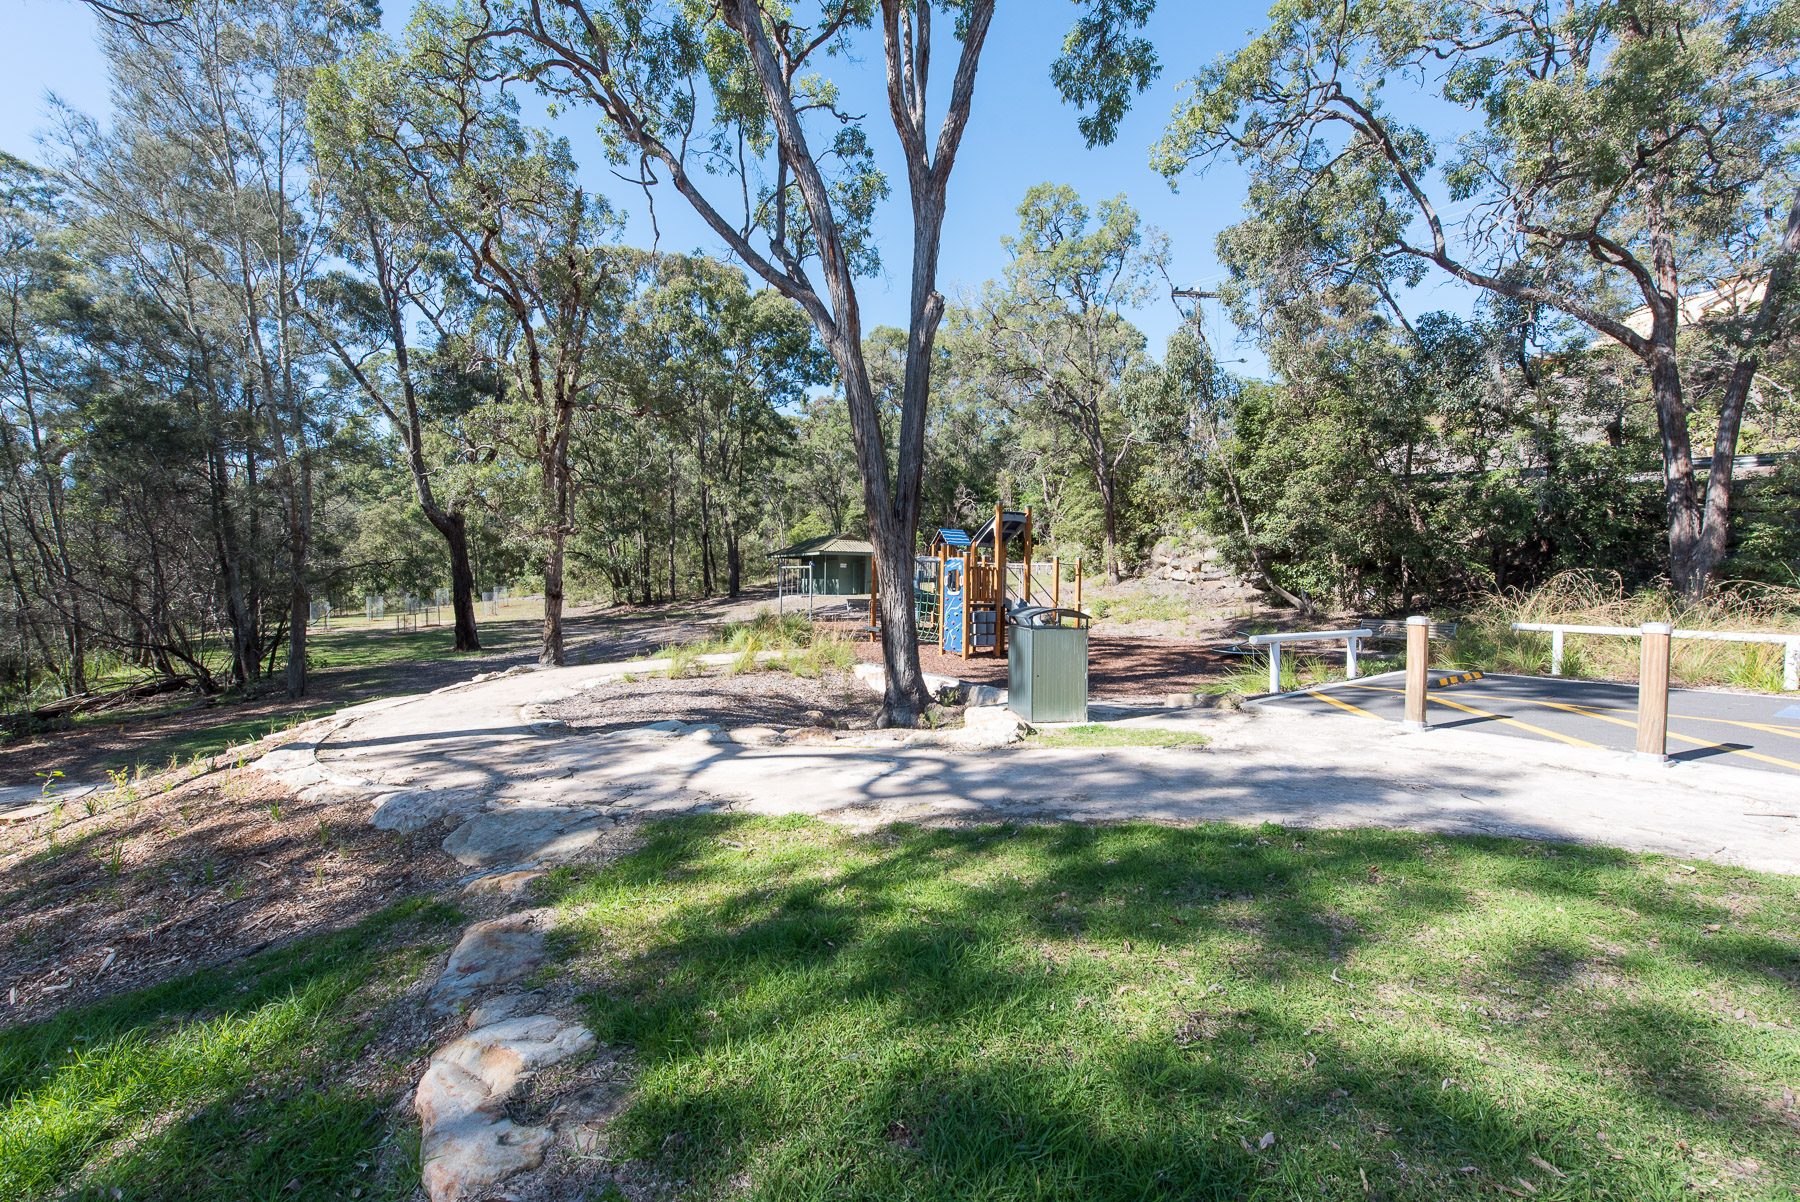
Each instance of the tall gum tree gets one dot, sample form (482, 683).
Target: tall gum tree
(729, 104)
(1623, 154)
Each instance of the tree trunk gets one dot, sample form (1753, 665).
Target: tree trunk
(1678, 466)
(454, 527)
(734, 561)
(1715, 530)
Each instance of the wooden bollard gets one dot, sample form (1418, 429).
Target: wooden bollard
(1653, 692)
(1418, 664)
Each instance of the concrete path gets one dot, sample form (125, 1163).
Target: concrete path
(482, 758)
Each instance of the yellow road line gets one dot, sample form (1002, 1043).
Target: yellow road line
(1469, 709)
(1344, 705)
(1571, 740)
(1755, 755)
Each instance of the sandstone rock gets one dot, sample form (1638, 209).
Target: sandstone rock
(668, 726)
(503, 1006)
(812, 736)
(500, 1054)
(415, 809)
(514, 835)
(756, 736)
(465, 1142)
(24, 813)
(816, 718)
(512, 884)
(984, 694)
(490, 953)
(462, 1159)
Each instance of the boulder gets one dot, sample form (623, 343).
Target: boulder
(756, 736)
(466, 1143)
(512, 835)
(415, 809)
(490, 953)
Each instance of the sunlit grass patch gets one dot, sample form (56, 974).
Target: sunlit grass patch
(226, 1084)
(1096, 734)
(1223, 1012)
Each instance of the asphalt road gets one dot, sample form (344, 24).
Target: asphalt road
(1749, 730)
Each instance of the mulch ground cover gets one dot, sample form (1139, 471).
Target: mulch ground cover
(767, 698)
(1120, 667)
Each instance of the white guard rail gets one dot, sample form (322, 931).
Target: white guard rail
(1352, 639)
(1790, 661)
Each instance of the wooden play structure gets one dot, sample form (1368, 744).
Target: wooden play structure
(977, 586)
(964, 588)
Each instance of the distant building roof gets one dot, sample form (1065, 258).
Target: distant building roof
(830, 544)
(1735, 297)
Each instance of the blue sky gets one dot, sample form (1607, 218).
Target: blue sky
(1020, 134)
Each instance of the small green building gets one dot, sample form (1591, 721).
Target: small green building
(840, 565)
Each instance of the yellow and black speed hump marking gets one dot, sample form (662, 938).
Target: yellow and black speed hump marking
(1444, 681)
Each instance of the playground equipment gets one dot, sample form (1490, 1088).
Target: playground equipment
(975, 587)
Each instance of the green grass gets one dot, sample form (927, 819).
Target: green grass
(1132, 1012)
(1136, 609)
(1095, 734)
(1297, 671)
(225, 1084)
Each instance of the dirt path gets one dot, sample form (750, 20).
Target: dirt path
(482, 750)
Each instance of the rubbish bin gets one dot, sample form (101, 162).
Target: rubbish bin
(1047, 664)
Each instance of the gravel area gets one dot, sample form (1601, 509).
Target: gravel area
(770, 698)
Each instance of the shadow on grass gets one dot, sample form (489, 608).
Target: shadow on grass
(224, 1084)
(1133, 1011)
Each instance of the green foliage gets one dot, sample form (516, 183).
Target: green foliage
(1395, 469)
(1485, 639)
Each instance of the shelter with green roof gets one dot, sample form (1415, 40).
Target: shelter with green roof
(840, 565)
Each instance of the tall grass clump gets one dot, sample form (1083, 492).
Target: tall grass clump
(1485, 639)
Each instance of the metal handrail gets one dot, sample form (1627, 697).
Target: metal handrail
(1790, 660)
(1274, 641)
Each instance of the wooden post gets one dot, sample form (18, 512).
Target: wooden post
(1026, 598)
(1418, 664)
(1653, 693)
(968, 596)
(1056, 581)
(942, 627)
(1078, 582)
(999, 579)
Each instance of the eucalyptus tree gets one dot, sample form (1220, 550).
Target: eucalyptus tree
(735, 358)
(395, 242)
(731, 104)
(1623, 153)
(535, 245)
(1057, 334)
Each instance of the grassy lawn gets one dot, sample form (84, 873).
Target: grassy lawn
(1141, 1012)
(1096, 734)
(273, 1078)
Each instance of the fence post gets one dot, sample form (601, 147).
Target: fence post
(1418, 665)
(1556, 637)
(1350, 669)
(1274, 667)
(1790, 666)
(1653, 692)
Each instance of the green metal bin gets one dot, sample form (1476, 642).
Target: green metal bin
(1047, 664)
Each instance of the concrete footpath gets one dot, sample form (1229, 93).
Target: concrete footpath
(515, 789)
